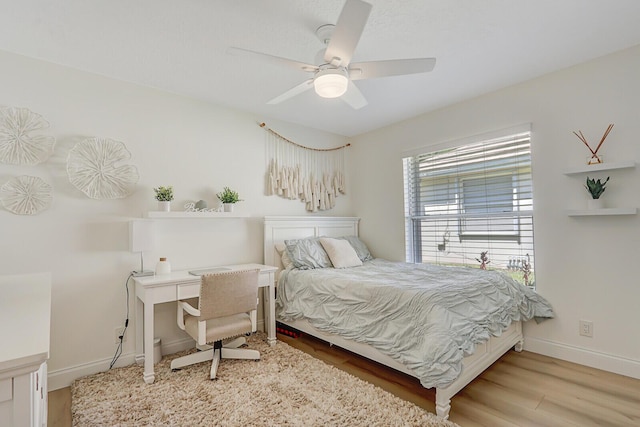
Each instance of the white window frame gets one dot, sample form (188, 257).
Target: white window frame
(519, 209)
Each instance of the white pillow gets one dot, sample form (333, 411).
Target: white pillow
(341, 253)
(281, 248)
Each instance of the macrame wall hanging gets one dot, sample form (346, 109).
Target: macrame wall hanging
(316, 176)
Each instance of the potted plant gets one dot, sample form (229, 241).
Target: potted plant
(164, 196)
(228, 197)
(595, 188)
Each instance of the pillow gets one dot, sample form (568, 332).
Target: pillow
(359, 246)
(307, 253)
(341, 253)
(281, 248)
(286, 261)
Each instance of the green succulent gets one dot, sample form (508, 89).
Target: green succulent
(595, 187)
(228, 196)
(164, 194)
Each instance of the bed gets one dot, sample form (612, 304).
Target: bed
(362, 337)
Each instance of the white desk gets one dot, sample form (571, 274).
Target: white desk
(179, 285)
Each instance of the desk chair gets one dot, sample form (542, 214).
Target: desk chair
(226, 309)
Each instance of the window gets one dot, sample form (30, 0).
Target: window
(471, 204)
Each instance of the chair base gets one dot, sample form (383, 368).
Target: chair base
(228, 351)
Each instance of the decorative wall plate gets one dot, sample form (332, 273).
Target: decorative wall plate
(26, 195)
(92, 169)
(18, 145)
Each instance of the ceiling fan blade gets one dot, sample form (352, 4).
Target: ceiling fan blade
(354, 97)
(347, 32)
(393, 67)
(297, 65)
(296, 90)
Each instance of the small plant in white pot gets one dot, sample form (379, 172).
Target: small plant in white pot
(595, 189)
(164, 196)
(228, 197)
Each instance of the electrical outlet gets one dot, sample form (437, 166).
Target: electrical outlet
(586, 328)
(117, 333)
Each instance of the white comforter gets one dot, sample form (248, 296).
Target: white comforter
(425, 316)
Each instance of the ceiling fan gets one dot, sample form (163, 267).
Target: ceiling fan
(334, 77)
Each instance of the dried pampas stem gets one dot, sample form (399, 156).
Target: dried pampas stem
(594, 153)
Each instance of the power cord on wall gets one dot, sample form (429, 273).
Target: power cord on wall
(126, 325)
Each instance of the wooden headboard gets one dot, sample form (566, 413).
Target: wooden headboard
(279, 228)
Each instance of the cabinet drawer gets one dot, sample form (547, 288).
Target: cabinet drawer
(6, 389)
(188, 290)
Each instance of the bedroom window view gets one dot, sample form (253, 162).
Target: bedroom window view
(472, 205)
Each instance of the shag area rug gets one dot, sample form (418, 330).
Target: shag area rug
(287, 387)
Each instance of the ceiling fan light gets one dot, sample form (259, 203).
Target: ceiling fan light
(331, 83)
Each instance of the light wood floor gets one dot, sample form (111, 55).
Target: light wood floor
(520, 389)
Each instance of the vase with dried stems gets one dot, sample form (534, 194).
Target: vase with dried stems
(594, 159)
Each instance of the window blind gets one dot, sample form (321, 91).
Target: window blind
(472, 205)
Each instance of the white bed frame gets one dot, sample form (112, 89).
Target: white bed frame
(279, 228)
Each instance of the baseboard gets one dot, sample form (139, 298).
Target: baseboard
(583, 356)
(61, 378)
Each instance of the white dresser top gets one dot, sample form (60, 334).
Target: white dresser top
(25, 318)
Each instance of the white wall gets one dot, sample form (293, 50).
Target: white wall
(196, 147)
(587, 266)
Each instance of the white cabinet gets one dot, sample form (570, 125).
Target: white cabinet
(39, 402)
(23, 400)
(602, 167)
(25, 313)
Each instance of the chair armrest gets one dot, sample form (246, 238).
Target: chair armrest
(189, 308)
(182, 307)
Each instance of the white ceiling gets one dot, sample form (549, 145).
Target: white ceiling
(180, 46)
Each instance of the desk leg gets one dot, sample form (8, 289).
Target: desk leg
(270, 312)
(149, 375)
(139, 332)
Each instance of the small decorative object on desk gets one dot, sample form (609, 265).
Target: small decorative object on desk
(228, 197)
(164, 196)
(163, 267)
(594, 159)
(595, 188)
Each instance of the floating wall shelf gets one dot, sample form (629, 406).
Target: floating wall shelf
(600, 167)
(605, 211)
(200, 215)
